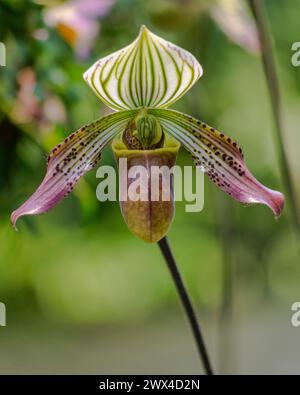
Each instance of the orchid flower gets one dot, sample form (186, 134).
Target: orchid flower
(234, 19)
(77, 22)
(140, 82)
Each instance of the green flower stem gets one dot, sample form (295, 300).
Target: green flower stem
(274, 91)
(186, 302)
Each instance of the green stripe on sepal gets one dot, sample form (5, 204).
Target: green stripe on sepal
(150, 72)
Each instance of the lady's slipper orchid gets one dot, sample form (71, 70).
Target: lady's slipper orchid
(140, 81)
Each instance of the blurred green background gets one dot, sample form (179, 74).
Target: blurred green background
(83, 295)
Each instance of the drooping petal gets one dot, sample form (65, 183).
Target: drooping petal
(150, 72)
(70, 160)
(220, 157)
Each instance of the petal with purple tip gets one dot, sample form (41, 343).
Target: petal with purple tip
(70, 160)
(220, 157)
